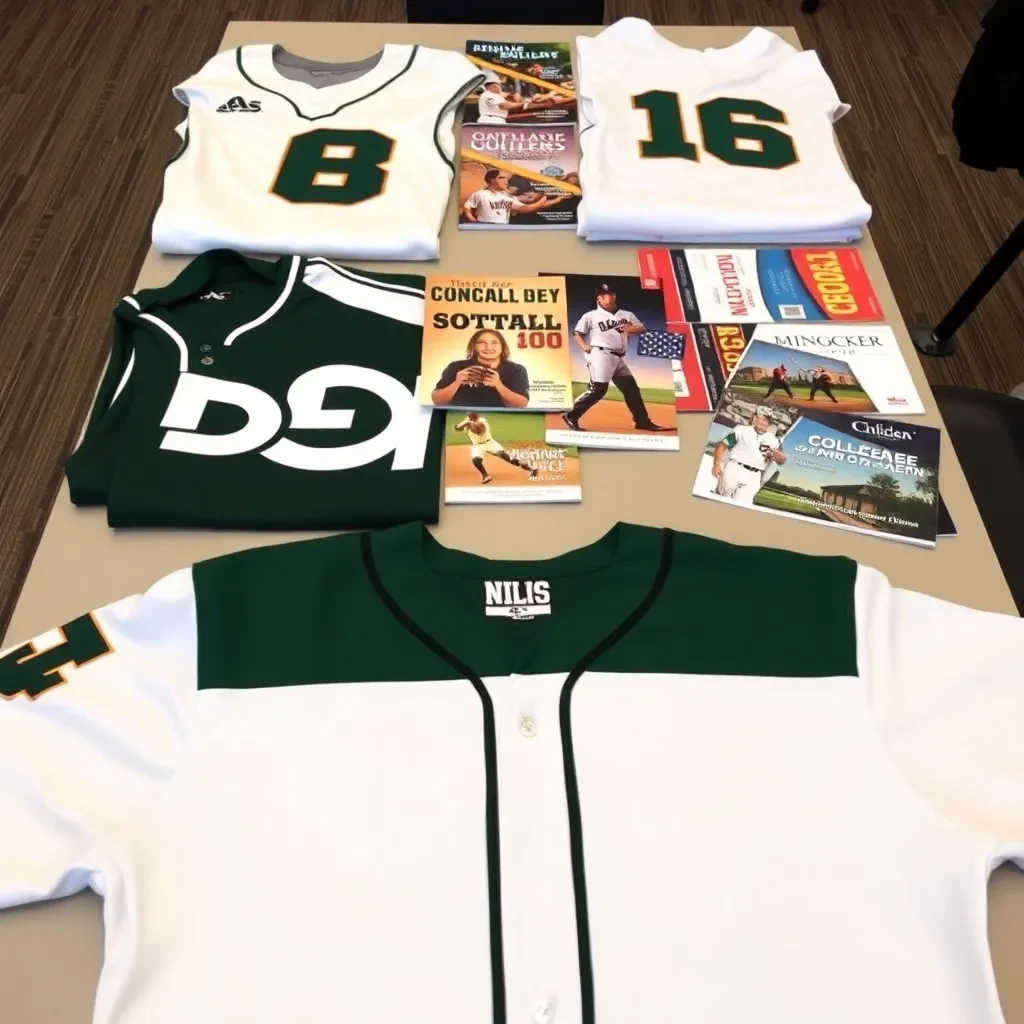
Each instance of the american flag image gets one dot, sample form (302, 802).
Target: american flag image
(660, 344)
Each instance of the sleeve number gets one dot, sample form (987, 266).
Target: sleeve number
(330, 165)
(25, 670)
(747, 143)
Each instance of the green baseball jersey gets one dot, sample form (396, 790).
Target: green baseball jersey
(257, 395)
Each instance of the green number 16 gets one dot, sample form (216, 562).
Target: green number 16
(722, 134)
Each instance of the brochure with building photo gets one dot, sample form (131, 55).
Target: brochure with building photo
(495, 458)
(525, 82)
(496, 343)
(757, 285)
(621, 363)
(856, 368)
(518, 176)
(870, 475)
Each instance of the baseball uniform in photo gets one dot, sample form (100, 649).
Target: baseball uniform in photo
(686, 145)
(482, 439)
(368, 779)
(490, 105)
(608, 345)
(282, 154)
(747, 459)
(493, 207)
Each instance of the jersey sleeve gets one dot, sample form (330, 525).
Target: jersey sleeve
(92, 720)
(583, 324)
(817, 87)
(473, 201)
(519, 380)
(945, 686)
(517, 203)
(730, 440)
(447, 376)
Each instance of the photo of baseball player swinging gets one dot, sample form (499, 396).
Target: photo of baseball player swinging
(625, 397)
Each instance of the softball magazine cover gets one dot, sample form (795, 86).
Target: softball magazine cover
(495, 343)
(870, 475)
(502, 458)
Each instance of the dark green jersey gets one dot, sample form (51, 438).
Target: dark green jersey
(258, 395)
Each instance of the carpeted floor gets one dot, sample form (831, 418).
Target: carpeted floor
(86, 123)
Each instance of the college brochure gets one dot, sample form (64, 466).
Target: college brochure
(518, 176)
(502, 458)
(756, 285)
(869, 475)
(860, 366)
(495, 343)
(621, 367)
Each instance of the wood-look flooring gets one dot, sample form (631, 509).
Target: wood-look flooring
(85, 128)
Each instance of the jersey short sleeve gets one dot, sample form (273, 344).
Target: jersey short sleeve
(584, 324)
(447, 375)
(815, 84)
(518, 380)
(730, 440)
(473, 202)
(91, 726)
(945, 685)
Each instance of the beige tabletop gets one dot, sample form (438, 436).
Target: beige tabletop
(50, 955)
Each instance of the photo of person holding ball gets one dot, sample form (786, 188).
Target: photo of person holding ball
(486, 378)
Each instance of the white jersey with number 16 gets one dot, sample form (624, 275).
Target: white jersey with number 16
(683, 145)
(281, 154)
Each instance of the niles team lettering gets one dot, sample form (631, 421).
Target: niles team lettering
(405, 435)
(517, 599)
(35, 667)
(831, 284)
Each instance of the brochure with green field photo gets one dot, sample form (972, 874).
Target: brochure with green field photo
(855, 472)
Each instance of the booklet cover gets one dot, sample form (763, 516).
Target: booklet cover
(502, 458)
(858, 368)
(526, 82)
(495, 343)
(756, 285)
(518, 176)
(871, 476)
(621, 367)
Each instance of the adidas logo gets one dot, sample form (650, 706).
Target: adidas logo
(238, 105)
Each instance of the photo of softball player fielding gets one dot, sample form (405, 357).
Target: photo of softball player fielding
(622, 374)
(495, 458)
(483, 443)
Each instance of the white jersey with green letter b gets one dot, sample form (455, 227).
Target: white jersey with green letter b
(281, 154)
(736, 144)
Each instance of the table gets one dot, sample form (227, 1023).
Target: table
(50, 955)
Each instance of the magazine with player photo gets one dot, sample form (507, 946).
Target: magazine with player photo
(518, 176)
(621, 367)
(497, 458)
(859, 368)
(757, 285)
(524, 82)
(496, 343)
(870, 475)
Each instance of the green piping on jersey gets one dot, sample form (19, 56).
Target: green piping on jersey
(181, 148)
(369, 279)
(330, 113)
(460, 93)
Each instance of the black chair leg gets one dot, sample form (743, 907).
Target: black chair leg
(939, 340)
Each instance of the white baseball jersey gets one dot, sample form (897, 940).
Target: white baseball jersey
(307, 792)
(601, 328)
(493, 207)
(281, 154)
(745, 446)
(736, 144)
(491, 111)
(481, 437)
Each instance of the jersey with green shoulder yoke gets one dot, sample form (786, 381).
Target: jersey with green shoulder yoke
(369, 779)
(256, 395)
(736, 144)
(281, 154)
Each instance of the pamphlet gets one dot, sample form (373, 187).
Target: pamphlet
(757, 285)
(503, 458)
(869, 475)
(518, 176)
(621, 367)
(534, 83)
(858, 368)
(495, 343)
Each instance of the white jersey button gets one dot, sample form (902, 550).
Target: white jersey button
(544, 1012)
(528, 725)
